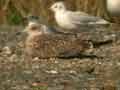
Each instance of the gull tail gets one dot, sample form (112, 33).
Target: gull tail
(102, 22)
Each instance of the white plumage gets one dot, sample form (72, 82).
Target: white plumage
(73, 19)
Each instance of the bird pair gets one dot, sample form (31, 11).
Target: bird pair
(40, 42)
(72, 20)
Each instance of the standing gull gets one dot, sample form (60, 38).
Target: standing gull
(73, 19)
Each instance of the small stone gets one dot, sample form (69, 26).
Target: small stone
(35, 67)
(36, 59)
(56, 62)
(7, 50)
(25, 87)
(118, 64)
(14, 58)
(52, 72)
(73, 72)
(28, 72)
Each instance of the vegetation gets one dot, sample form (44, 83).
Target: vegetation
(12, 11)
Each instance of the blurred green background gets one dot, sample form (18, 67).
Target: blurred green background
(13, 11)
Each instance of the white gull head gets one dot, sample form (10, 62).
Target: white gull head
(58, 6)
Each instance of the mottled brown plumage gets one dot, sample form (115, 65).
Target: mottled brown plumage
(43, 45)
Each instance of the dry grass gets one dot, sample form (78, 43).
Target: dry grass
(22, 8)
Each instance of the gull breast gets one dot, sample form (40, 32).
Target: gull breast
(63, 21)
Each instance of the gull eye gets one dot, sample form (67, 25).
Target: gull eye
(60, 7)
(56, 6)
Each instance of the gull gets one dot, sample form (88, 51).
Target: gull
(113, 7)
(34, 24)
(44, 45)
(73, 19)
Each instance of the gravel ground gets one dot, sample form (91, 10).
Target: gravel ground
(17, 73)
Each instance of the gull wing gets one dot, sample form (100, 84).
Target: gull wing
(81, 17)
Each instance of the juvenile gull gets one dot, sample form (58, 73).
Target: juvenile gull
(44, 45)
(45, 28)
(73, 19)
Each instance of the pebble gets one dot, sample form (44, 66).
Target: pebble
(52, 72)
(7, 50)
